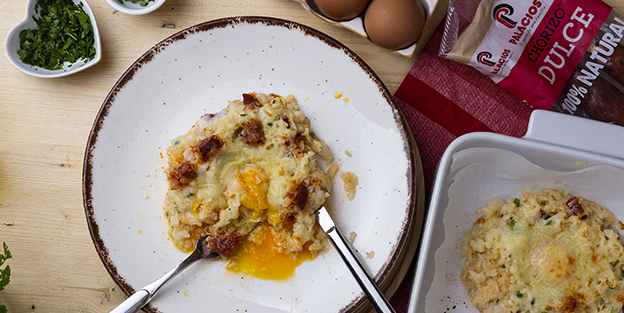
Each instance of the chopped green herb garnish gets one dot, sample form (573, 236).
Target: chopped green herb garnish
(511, 224)
(270, 124)
(324, 189)
(533, 302)
(142, 3)
(517, 202)
(519, 295)
(167, 214)
(64, 34)
(313, 135)
(615, 263)
(5, 273)
(190, 194)
(548, 222)
(176, 143)
(243, 115)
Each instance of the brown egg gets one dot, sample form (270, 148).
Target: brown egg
(394, 24)
(341, 10)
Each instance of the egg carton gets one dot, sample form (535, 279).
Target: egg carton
(434, 11)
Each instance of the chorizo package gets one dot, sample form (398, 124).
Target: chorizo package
(562, 55)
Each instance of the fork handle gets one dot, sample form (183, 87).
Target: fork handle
(375, 297)
(140, 298)
(134, 303)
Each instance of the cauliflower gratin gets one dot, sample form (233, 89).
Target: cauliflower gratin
(250, 173)
(544, 252)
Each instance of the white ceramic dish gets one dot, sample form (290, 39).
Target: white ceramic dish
(12, 45)
(130, 8)
(562, 148)
(435, 10)
(195, 72)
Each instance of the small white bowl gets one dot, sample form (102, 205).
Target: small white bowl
(12, 45)
(135, 8)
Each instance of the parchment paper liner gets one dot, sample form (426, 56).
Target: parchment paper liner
(482, 174)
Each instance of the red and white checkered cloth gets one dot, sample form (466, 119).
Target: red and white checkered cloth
(442, 100)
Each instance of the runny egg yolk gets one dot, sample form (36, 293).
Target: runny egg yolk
(254, 182)
(263, 260)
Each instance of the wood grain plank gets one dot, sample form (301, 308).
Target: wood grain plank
(44, 126)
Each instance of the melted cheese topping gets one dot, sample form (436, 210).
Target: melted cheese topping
(551, 263)
(543, 252)
(253, 165)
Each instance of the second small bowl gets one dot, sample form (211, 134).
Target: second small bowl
(127, 7)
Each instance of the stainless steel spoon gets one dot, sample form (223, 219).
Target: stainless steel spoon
(140, 298)
(376, 298)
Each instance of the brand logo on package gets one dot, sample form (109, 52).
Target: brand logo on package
(485, 58)
(502, 13)
(512, 23)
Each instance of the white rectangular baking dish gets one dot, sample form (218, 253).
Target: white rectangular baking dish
(553, 141)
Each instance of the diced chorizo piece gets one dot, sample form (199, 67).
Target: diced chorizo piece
(296, 144)
(250, 101)
(210, 146)
(299, 195)
(181, 175)
(251, 132)
(223, 244)
(575, 206)
(287, 121)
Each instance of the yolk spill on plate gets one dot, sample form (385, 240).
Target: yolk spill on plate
(263, 260)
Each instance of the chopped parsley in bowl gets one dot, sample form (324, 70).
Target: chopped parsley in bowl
(56, 38)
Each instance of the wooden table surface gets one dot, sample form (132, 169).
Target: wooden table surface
(44, 126)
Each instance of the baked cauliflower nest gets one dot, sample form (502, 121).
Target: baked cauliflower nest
(546, 251)
(254, 162)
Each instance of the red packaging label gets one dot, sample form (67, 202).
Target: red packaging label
(554, 50)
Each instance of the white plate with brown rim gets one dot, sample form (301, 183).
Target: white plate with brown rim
(195, 72)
